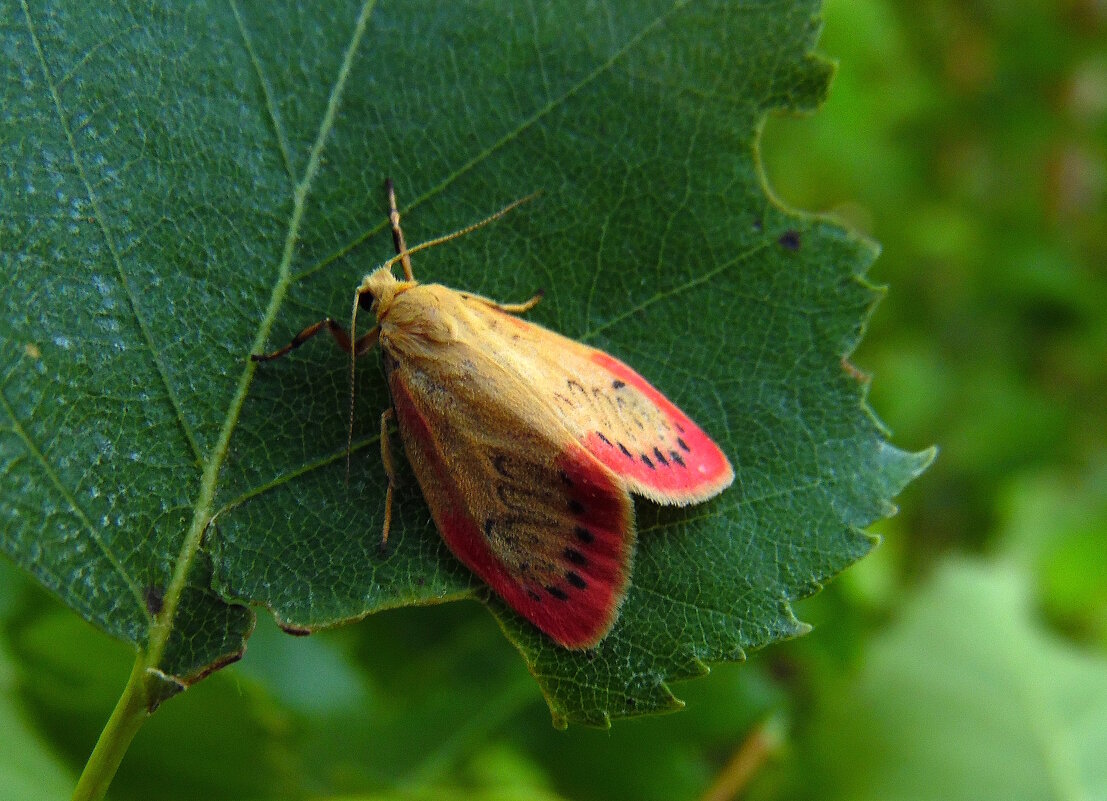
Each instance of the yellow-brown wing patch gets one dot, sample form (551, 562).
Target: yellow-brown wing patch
(614, 412)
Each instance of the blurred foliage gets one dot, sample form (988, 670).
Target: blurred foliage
(964, 697)
(970, 139)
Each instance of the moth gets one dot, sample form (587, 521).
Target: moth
(527, 445)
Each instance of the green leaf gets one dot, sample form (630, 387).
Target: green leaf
(967, 697)
(190, 184)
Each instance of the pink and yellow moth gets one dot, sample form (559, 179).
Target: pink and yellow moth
(527, 445)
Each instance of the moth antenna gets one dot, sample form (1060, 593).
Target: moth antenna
(353, 377)
(397, 231)
(404, 255)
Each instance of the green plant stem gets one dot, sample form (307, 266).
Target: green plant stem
(760, 746)
(126, 719)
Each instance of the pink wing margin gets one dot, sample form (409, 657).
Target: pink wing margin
(686, 468)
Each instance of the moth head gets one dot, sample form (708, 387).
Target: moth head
(378, 289)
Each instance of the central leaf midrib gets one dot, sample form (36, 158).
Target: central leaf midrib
(202, 510)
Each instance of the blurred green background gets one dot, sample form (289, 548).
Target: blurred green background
(966, 658)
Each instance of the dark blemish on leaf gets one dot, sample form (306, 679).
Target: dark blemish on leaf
(648, 463)
(683, 445)
(676, 457)
(626, 453)
(758, 224)
(557, 593)
(575, 579)
(584, 535)
(575, 556)
(295, 631)
(617, 384)
(419, 582)
(631, 703)
(660, 457)
(790, 240)
(576, 507)
(154, 596)
(603, 439)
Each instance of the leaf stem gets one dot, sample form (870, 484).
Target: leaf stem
(761, 744)
(125, 721)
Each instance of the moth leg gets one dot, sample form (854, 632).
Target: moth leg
(386, 459)
(397, 232)
(510, 308)
(341, 337)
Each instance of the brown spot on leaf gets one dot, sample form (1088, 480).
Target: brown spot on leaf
(790, 240)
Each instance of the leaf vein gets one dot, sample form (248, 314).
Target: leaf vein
(677, 290)
(109, 240)
(71, 499)
(267, 90)
(504, 140)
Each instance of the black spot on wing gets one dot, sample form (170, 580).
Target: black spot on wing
(575, 556)
(584, 535)
(660, 457)
(647, 462)
(575, 579)
(683, 445)
(557, 593)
